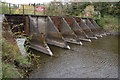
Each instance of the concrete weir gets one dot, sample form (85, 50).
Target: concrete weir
(53, 36)
(102, 32)
(76, 28)
(53, 30)
(92, 27)
(65, 30)
(85, 28)
(37, 30)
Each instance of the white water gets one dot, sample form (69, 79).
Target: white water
(20, 43)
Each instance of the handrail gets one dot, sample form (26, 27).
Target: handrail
(10, 8)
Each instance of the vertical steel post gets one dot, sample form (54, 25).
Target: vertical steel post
(34, 8)
(26, 27)
(9, 9)
(44, 10)
(23, 9)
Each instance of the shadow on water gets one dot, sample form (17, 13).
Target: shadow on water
(96, 59)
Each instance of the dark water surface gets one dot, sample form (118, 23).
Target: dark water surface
(96, 59)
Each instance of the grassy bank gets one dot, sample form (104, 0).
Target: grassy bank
(109, 23)
(14, 64)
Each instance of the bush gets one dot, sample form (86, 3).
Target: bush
(11, 59)
(108, 22)
(101, 22)
(9, 71)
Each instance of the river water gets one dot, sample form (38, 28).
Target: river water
(96, 59)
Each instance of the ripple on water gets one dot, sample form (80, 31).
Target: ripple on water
(98, 59)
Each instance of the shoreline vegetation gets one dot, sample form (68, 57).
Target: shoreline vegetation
(14, 64)
(12, 59)
(109, 23)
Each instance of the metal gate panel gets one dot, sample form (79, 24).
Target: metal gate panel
(53, 36)
(85, 28)
(91, 26)
(102, 32)
(65, 30)
(38, 36)
(76, 28)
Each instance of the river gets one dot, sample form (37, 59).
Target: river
(96, 59)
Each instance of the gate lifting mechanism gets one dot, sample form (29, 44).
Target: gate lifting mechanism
(56, 30)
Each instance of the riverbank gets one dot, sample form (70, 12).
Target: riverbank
(109, 23)
(14, 64)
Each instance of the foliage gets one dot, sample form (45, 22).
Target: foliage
(105, 8)
(89, 9)
(9, 71)
(6, 9)
(109, 22)
(100, 22)
(55, 8)
(74, 9)
(69, 9)
(10, 51)
(11, 55)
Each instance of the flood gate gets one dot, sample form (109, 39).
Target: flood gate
(54, 30)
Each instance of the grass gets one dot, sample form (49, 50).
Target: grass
(14, 65)
(109, 22)
(13, 61)
(9, 71)
(10, 53)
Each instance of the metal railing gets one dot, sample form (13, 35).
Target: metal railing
(55, 9)
(9, 8)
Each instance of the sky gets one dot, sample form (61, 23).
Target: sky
(46, 1)
(26, 1)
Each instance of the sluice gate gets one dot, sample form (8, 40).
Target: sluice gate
(92, 27)
(53, 36)
(54, 30)
(77, 29)
(100, 30)
(65, 30)
(37, 30)
(85, 28)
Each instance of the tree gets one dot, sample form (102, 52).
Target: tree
(89, 10)
(114, 9)
(111, 8)
(74, 9)
(5, 8)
